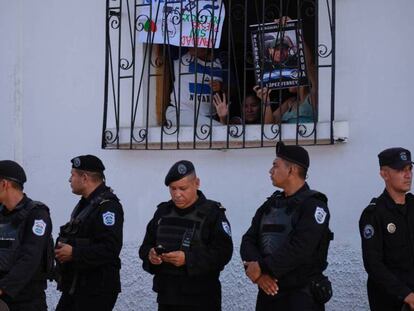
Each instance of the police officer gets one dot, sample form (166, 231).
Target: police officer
(25, 235)
(285, 249)
(89, 244)
(186, 245)
(387, 234)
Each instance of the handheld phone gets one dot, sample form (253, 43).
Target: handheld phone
(160, 250)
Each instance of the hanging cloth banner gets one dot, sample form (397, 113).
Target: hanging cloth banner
(186, 23)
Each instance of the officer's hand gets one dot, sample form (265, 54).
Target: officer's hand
(268, 284)
(409, 300)
(176, 258)
(154, 258)
(253, 270)
(63, 252)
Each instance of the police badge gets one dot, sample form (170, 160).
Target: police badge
(108, 218)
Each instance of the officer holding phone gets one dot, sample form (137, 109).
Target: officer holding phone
(186, 245)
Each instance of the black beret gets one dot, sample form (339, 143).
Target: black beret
(396, 158)
(12, 171)
(88, 163)
(294, 154)
(179, 170)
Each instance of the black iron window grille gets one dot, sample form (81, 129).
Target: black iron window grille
(218, 74)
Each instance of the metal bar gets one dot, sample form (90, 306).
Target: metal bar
(333, 29)
(133, 46)
(119, 73)
(105, 112)
(202, 137)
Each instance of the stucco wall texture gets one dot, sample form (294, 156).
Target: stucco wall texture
(345, 272)
(51, 98)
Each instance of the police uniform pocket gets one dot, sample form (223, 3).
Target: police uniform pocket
(321, 289)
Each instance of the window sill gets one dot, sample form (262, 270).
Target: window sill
(226, 137)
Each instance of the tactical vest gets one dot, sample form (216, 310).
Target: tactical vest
(181, 232)
(278, 222)
(10, 231)
(69, 233)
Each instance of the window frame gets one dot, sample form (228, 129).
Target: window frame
(139, 134)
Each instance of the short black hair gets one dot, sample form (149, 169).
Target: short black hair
(14, 184)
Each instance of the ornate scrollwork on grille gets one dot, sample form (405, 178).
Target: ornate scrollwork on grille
(169, 129)
(142, 51)
(139, 135)
(274, 132)
(203, 132)
(308, 8)
(237, 12)
(323, 51)
(236, 131)
(306, 130)
(272, 12)
(110, 136)
(114, 19)
(125, 64)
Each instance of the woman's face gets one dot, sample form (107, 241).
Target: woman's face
(251, 109)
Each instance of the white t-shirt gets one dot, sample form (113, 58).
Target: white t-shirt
(194, 82)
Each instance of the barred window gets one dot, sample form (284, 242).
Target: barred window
(213, 74)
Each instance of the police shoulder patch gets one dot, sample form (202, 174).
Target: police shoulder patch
(39, 227)
(368, 231)
(226, 227)
(320, 215)
(108, 218)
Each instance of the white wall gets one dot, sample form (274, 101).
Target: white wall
(51, 98)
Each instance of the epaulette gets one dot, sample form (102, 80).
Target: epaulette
(302, 197)
(215, 203)
(320, 196)
(104, 201)
(164, 204)
(218, 204)
(275, 194)
(372, 205)
(31, 205)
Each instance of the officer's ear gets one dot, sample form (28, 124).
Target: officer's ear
(384, 173)
(197, 182)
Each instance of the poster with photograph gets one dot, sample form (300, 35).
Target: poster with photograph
(279, 57)
(184, 23)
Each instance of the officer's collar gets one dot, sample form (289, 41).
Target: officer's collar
(390, 203)
(21, 205)
(300, 190)
(98, 190)
(183, 211)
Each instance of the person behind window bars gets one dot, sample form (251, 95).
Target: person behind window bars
(26, 248)
(198, 75)
(300, 105)
(252, 114)
(297, 108)
(88, 246)
(285, 249)
(186, 245)
(387, 235)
